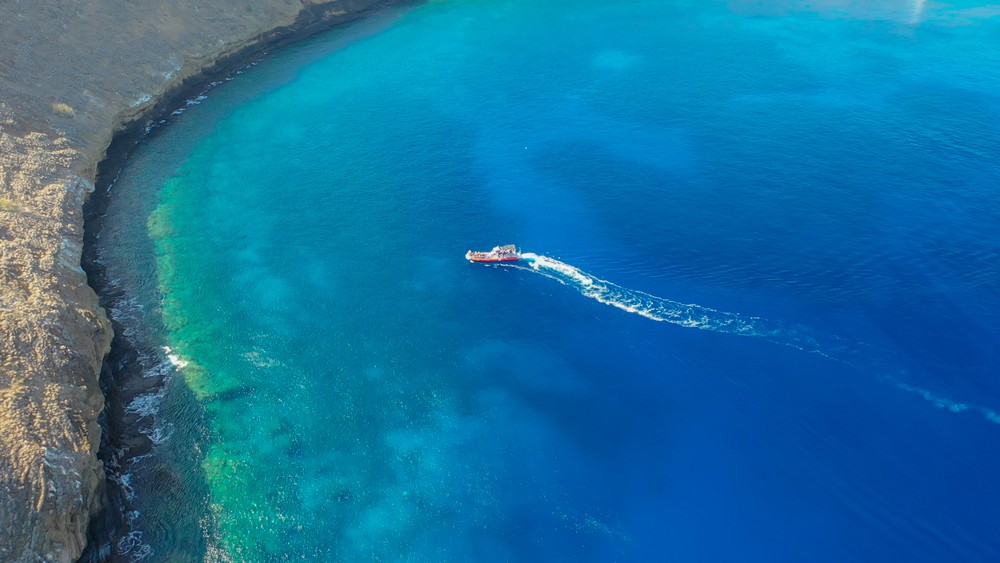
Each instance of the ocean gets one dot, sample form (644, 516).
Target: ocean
(758, 318)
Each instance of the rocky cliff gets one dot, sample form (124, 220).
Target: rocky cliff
(72, 75)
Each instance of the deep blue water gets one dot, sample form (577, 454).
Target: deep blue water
(760, 322)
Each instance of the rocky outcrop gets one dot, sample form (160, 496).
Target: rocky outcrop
(72, 75)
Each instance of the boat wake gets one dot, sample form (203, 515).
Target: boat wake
(853, 354)
(667, 310)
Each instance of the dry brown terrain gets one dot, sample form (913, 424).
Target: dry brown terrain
(71, 75)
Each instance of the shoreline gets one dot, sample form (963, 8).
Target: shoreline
(57, 163)
(122, 377)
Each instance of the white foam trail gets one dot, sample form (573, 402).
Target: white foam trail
(690, 315)
(650, 306)
(938, 401)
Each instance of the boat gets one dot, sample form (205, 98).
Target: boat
(506, 253)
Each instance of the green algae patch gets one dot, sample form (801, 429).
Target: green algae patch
(252, 520)
(180, 290)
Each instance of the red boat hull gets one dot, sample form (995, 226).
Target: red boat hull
(490, 259)
(499, 254)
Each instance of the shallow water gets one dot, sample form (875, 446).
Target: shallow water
(804, 197)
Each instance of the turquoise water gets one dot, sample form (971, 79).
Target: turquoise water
(758, 320)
